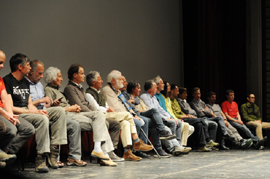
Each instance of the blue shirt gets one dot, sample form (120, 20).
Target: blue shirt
(152, 102)
(37, 92)
(161, 101)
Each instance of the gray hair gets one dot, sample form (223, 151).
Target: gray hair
(34, 64)
(157, 79)
(113, 74)
(148, 84)
(92, 76)
(50, 74)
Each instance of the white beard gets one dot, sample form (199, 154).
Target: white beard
(119, 85)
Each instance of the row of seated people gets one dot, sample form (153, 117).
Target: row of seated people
(29, 107)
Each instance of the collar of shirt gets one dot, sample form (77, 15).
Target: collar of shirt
(29, 81)
(53, 86)
(79, 85)
(183, 100)
(95, 89)
(116, 92)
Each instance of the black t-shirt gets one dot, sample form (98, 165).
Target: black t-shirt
(19, 90)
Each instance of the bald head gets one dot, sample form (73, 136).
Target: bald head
(2, 59)
(2, 55)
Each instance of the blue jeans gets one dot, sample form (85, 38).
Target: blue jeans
(242, 129)
(144, 127)
(212, 128)
(156, 119)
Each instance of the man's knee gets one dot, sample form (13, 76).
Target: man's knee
(11, 132)
(73, 125)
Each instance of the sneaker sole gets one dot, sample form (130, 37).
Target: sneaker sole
(117, 160)
(133, 160)
(167, 138)
(177, 153)
(164, 156)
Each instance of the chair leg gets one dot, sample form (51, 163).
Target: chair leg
(20, 161)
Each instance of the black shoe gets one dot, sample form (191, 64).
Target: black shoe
(165, 135)
(223, 147)
(228, 138)
(141, 154)
(260, 143)
(162, 154)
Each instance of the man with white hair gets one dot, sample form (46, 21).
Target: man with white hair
(114, 99)
(89, 121)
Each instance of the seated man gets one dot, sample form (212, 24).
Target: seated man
(252, 116)
(230, 109)
(41, 102)
(182, 128)
(201, 131)
(238, 140)
(185, 107)
(204, 112)
(18, 89)
(14, 130)
(173, 146)
(187, 129)
(94, 81)
(89, 121)
(112, 95)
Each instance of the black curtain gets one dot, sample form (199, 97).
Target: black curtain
(215, 47)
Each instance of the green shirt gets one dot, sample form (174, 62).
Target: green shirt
(250, 112)
(176, 109)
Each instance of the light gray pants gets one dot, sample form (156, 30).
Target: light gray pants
(74, 138)
(41, 123)
(233, 133)
(170, 144)
(94, 121)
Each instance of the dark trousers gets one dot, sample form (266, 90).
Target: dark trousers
(201, 129)
(155, 117)
(114, 128)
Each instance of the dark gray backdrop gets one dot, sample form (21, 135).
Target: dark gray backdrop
(140, 38)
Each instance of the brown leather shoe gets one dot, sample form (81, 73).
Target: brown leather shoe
(100, 155)
(141, 146)
(129, 156)
(108, 163)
